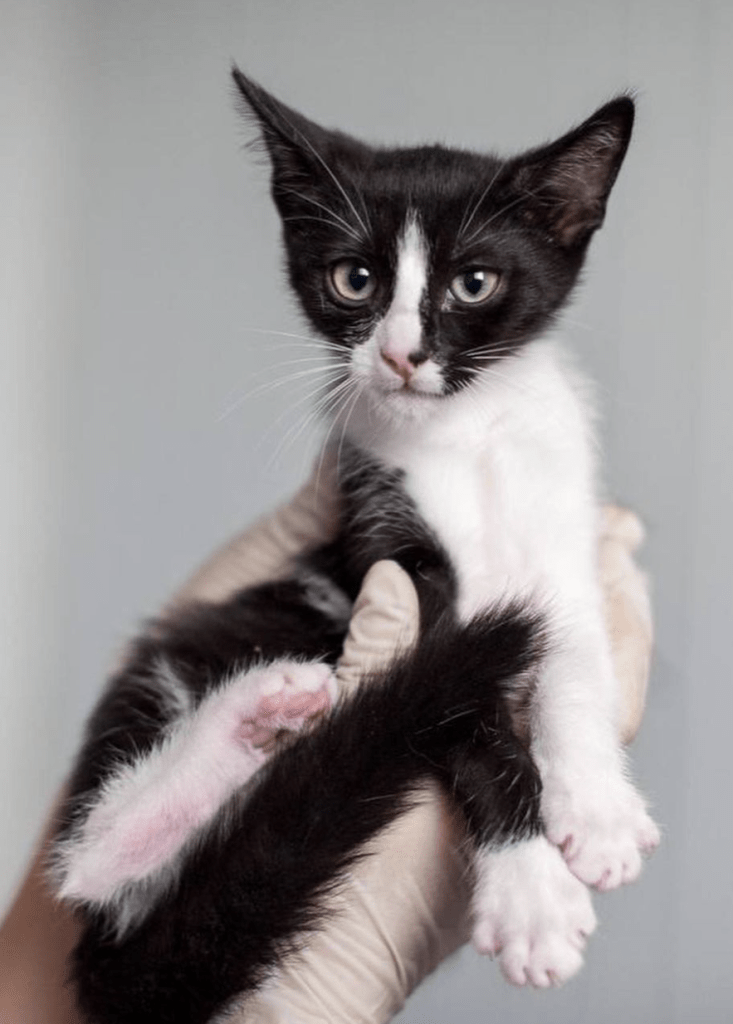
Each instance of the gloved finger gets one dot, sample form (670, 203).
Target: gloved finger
(385, 618)
(628, 613)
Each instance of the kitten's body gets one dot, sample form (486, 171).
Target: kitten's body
(467, 455)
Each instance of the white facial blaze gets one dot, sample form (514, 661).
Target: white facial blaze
(400, 333)
(391, 383)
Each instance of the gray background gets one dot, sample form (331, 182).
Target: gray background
(140, 255)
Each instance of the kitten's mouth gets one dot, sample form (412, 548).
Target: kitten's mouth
(405, 401)
(408, 391)
(417, 386)
(394, 385)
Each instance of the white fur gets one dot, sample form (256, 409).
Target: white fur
(504, 473)
(531, 913)
(133, 835)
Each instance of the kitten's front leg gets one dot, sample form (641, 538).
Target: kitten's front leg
(528, 910)
(590, 808)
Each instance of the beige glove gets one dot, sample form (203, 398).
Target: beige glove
(628, 613)
(405, 908)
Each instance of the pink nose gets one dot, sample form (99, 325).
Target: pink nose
(399, 364)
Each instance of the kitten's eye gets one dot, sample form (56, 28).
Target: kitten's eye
(352, 281)
(474, 286)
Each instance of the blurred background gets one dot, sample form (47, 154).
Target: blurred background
(141, 273)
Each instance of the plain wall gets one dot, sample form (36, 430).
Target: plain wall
(140, 266)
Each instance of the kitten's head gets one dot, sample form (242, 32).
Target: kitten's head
(424, 265)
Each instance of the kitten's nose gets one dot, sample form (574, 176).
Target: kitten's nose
(403, 366)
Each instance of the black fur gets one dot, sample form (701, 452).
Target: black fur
(260, 877)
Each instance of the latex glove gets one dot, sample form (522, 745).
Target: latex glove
(628, 613)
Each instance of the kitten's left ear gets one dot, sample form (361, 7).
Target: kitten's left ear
(288, 136)
(568, 182)
(297, 147)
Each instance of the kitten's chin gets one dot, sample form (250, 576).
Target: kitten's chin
(400, 404)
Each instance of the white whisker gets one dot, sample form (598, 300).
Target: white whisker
(265, 388)
(325, 394)
(336, 220)
(331, 174)
(465, 226)
(325, 220)
(345, 424)
(334, 413)
(307, 340)
(482, 227)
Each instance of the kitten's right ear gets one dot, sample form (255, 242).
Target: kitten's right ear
(566, 184)
(292, 141)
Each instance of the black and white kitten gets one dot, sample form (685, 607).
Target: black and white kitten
(435, 276)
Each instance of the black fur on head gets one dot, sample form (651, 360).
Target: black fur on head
(528, 219)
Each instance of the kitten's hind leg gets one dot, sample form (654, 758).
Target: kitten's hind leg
(262, 877)
(148, 810)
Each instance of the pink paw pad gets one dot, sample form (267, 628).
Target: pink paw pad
(301, 694)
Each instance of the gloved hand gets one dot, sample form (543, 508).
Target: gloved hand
(402, 910)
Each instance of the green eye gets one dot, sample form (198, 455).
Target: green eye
(352, 281)
(474, 286)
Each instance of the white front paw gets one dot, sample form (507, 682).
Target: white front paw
(532, 913)
(601, 826)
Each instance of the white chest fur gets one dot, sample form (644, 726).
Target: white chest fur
(503, 475)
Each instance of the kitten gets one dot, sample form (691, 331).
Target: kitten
(435, 276)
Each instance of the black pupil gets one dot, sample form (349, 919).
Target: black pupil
(473, 282)
(358, 278)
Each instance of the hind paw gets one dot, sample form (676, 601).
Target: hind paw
(285, 698)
